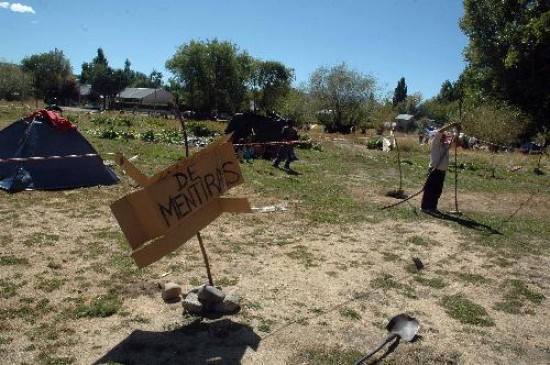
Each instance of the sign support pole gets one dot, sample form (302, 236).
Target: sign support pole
(199, 238)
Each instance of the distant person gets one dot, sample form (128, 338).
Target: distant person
(286, 150)
(439, 163)
(248, 150)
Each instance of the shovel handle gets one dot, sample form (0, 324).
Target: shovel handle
(387, 340)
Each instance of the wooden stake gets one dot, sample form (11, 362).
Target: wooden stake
(199, 238)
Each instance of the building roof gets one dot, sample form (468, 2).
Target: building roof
(146, 94)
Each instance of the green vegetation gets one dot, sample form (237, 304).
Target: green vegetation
(103, 306)
(12, 260)
(337, 190)
(350, 313)
(324, 356)
(516, 295)
(466, 311)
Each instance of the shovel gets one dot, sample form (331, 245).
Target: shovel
(402, 326)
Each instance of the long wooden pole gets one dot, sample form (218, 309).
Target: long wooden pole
(199, 238)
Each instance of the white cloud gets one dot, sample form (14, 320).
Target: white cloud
(17, 7)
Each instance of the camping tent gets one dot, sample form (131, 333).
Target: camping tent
(44, 152)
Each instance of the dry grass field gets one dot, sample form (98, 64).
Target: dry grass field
(318, 281)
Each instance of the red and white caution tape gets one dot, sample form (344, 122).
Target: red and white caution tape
(41, 158)
(270, 143)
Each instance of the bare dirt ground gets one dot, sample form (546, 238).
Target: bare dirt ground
(297, 283)
(306, 289)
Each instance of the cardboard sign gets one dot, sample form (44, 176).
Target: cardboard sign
(179, 201)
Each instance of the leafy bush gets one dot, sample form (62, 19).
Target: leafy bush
(199, 129)
(108, 134)
(374, 144)
(148, 136)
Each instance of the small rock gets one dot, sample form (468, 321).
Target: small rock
(196, 289)
(191, 304)
(230, 305)
(210, 294)
(227, 307)
(171, 291)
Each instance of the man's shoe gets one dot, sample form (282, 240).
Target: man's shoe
(430, 211)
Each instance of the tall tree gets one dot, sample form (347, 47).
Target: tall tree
(508, 53)
(14, 83)
(449, 92)
(273, 80)
(212, 74)
(106, 82)
(51, 72)
(343, 92)
(296, 105)
(400, 92)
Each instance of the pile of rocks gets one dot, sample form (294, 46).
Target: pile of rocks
(204, 299)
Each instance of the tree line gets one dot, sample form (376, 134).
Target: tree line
(505, 79)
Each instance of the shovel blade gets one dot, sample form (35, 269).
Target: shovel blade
(403, 325)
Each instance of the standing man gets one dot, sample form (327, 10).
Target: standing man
(286, 151)
(439, 163)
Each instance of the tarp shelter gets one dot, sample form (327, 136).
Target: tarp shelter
(46, 152)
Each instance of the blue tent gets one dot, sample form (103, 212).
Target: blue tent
(39, 153)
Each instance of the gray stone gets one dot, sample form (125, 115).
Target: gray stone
(210, 294)
(171, 291)
(196, 289)
(192, 304)
(227, 307)
(231, 304)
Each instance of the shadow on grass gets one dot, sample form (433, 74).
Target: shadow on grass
(289, 170)
(221, 341)
(465, 222)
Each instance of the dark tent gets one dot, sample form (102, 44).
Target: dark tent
(46, 152)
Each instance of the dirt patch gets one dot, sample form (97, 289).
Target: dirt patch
(302, 286)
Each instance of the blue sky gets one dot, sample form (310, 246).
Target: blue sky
(388, 39)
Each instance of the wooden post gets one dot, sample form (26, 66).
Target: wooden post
(199, 238)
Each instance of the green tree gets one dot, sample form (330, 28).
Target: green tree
(344, 93)
(496, 123)
(51, 73)
(296, 105)
(383, 113)
(400, 92)
(155, 79)
(273, 80)
(508, 53)
(106, 82)
(15, 84)
(212, 75)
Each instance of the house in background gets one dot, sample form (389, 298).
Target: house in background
(405, 122)
(144, 98)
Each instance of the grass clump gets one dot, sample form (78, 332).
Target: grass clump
(103, 306)
(326, 356)
(516, 297)
(350, 314)
(12, 260)
(466, 311)
(436, 283)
